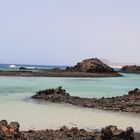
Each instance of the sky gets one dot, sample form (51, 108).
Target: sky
(64, 32)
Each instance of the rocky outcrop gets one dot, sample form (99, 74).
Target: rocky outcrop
(53, 95)
(11, 132)
(92, 65)
(125, 103)
(130, 69)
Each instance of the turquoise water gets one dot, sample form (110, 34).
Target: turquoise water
(84, 87)
(15, 105)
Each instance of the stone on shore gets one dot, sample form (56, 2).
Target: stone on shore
(11, 132)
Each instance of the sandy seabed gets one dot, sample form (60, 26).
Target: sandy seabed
(40, 116)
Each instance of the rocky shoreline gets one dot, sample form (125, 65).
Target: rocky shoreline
(125, 103)
(12, 132)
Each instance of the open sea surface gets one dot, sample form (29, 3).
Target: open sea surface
(16, 105)
(15, 67)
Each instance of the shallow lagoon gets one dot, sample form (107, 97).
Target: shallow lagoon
(15, 105)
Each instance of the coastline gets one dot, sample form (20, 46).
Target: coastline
(56, 74)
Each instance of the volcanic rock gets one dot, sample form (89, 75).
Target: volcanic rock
(10, 131)
(130, 69)
(125, 103)
(92, 65)
(108, 133)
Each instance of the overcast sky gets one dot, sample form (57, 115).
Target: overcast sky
(63, 32)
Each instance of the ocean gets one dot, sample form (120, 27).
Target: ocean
(15, 67)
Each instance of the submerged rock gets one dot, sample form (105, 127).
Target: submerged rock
(92, 65)
(125, 103)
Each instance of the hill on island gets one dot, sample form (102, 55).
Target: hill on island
(92, 65)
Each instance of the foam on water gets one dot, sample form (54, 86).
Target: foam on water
(12, 66)
(9, 67)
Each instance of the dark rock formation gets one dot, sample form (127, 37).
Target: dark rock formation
(107, 133)
(130, 69)
(22, 68)
(92, 65)
(125, 103)
(11, 132)
(53, 95)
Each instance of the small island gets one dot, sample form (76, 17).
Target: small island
(87, 68)
(130, 69)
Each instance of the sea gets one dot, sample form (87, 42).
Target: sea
(15, 67)
(16, 104)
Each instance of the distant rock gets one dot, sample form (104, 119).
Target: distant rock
(92, 65)
(130, 69)
(22, 68)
